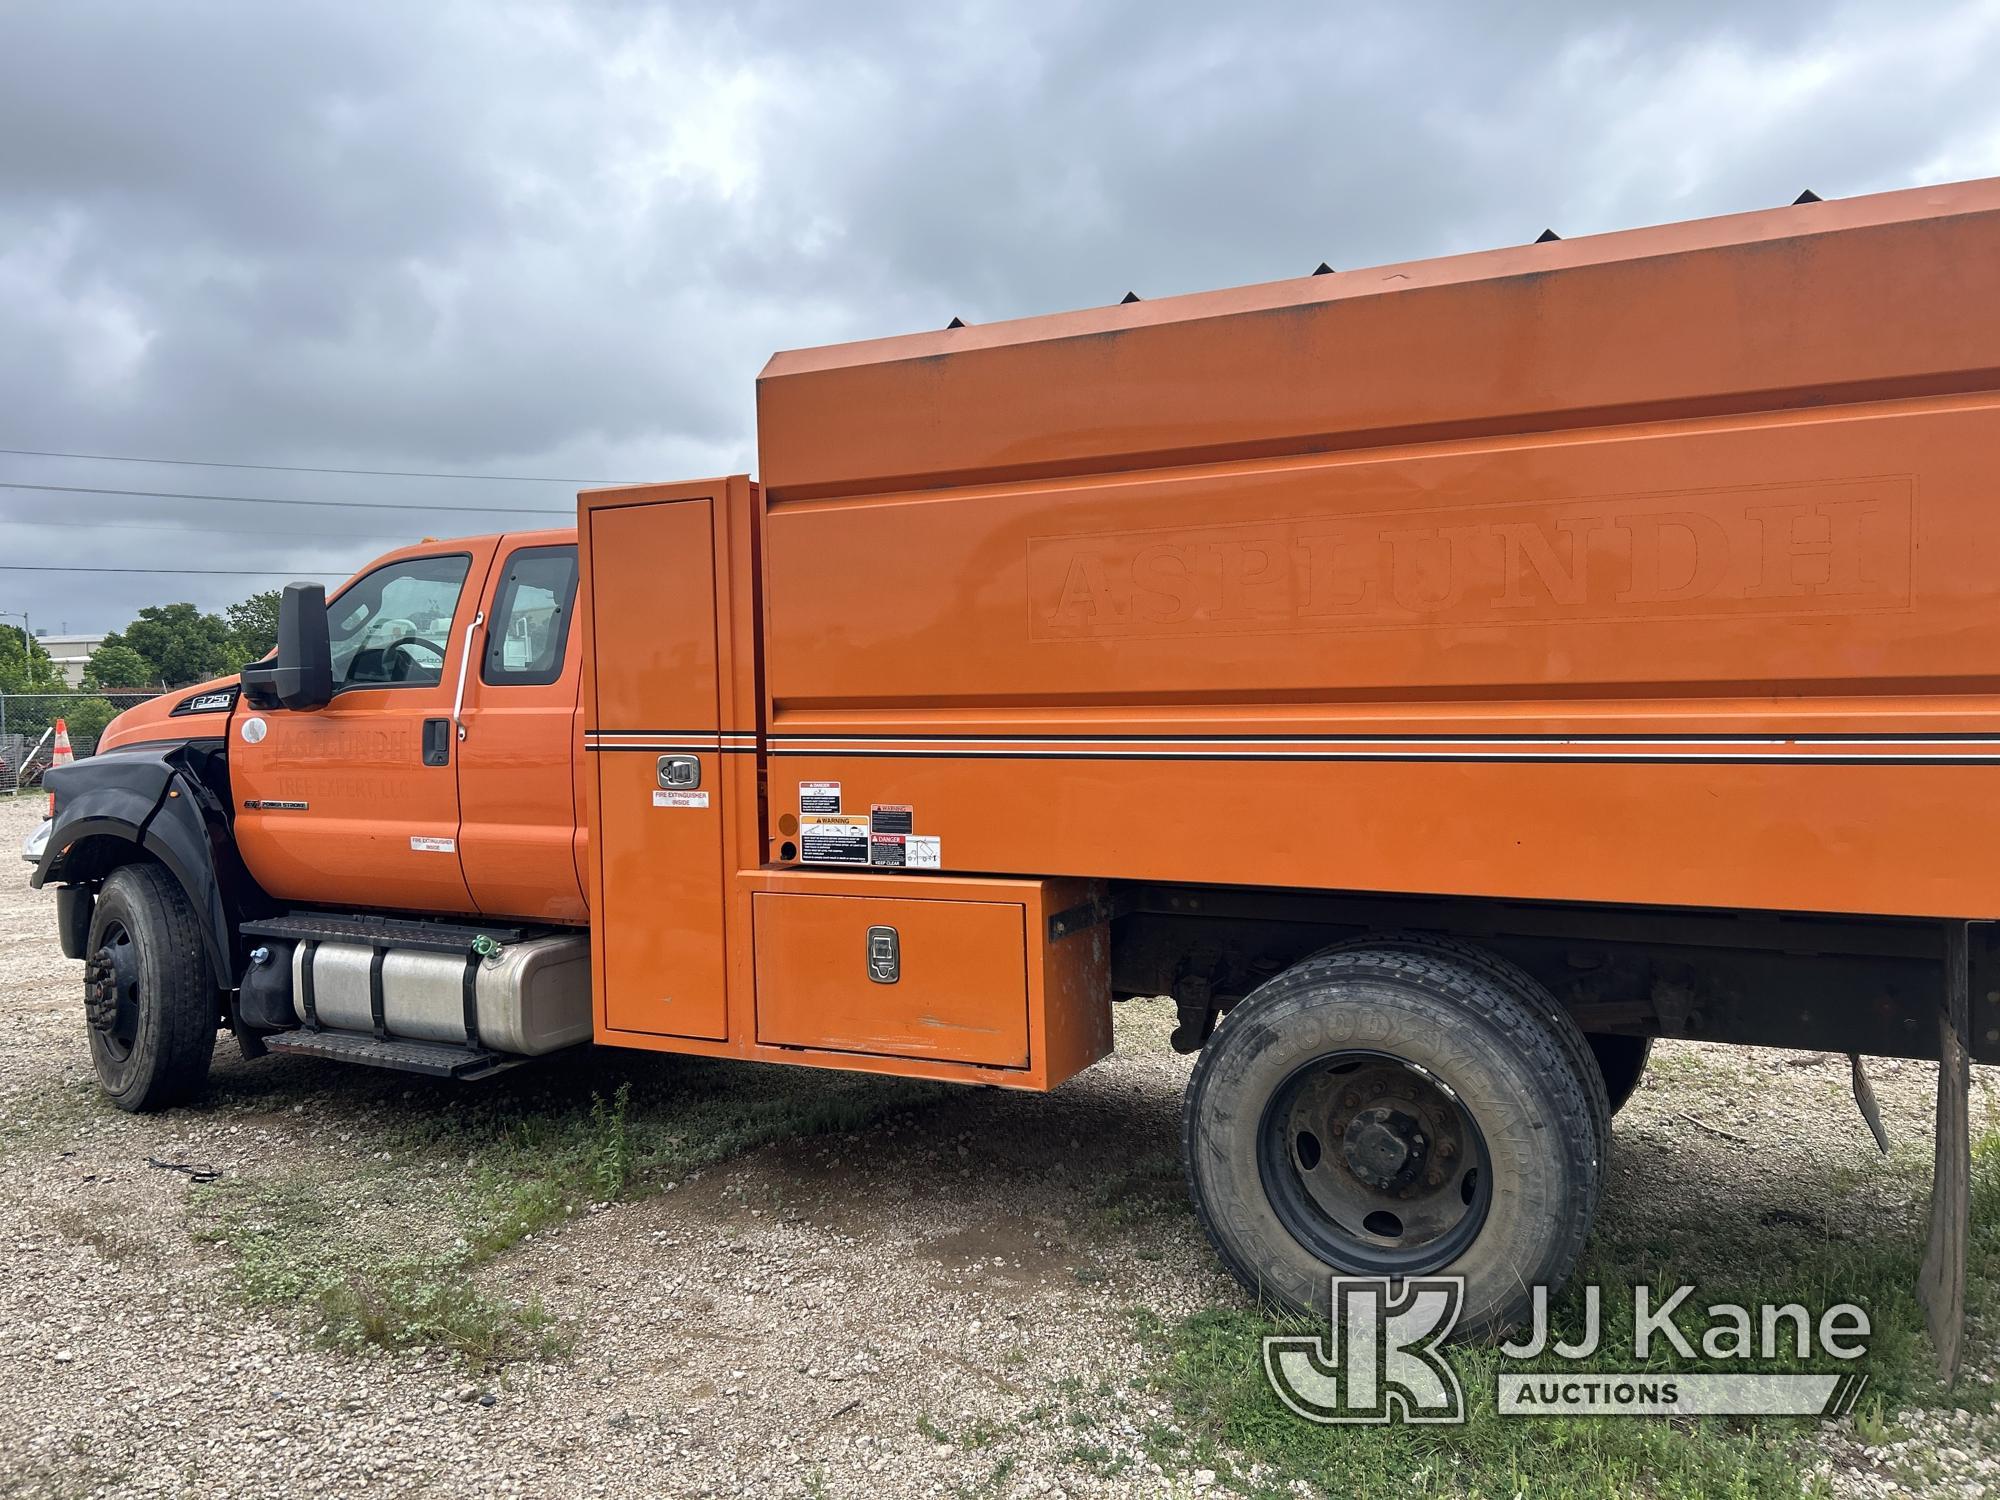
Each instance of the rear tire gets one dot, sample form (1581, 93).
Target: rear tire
(1316, 1122)
(1621, 1062)
(150, 999)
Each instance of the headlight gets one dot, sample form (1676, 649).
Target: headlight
(36, 842)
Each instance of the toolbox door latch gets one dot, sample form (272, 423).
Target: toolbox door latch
(680, 772)
(885, 955)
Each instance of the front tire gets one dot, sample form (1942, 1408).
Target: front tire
(149, 998)
(1392, 1112)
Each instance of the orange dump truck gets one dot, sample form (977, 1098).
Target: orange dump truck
(1440, 679)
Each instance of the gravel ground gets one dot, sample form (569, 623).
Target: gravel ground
(915, 1308)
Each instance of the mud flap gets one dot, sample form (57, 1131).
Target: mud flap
(1941, 1283)
(74, 906)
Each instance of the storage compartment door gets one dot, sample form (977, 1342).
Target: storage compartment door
(658, 937)
(959, 991)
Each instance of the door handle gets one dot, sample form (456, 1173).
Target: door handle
(437, 742)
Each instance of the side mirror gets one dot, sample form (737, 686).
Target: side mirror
(300, 674)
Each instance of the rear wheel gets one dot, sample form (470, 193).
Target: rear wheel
(149, 997)
(1524, 987)
(1392, 1112)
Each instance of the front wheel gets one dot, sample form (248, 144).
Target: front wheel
(149, 997)
(1392, 1112)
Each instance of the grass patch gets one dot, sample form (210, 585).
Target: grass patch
(384, 1254)
(1210, 1365)
(436, 1306)
(1150, 1189)
(1100, 1460)
(995, 1482)
(377, 1238)
(36, 1114)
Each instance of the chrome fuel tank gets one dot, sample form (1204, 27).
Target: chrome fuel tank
(530, 997)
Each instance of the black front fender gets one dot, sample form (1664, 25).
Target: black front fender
(153, 799)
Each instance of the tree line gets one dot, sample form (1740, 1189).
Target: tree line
(172, 645)
(166, 646)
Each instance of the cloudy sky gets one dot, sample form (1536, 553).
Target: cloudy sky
(560, 239)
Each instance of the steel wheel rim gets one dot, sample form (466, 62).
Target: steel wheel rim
(1374, 1164)
(111, 991)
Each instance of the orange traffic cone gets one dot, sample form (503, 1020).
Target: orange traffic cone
(61, 755)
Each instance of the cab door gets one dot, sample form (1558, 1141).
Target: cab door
(516, 763)
(356, 804)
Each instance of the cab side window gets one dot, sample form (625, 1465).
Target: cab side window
(531, 613)
(392, 627)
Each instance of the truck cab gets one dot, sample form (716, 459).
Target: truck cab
(401, 777)
(452, 720)
(443, 774)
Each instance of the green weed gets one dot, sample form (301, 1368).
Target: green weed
(380, 1242)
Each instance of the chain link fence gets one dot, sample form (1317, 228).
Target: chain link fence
(27, 730)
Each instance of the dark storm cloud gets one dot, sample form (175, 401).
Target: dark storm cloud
(549, 239)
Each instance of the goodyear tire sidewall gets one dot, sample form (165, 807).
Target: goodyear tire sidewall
(1536, 1185)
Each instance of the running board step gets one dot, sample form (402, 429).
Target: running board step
(433, 1059)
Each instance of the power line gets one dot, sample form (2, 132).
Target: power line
(207, 463)
(192, 572)
(466, 510)
(331, 536)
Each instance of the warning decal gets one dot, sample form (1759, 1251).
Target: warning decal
(923, 851)
(891, 817)
(662, 798)
(821, 797)
(828, 840)
(886, 849)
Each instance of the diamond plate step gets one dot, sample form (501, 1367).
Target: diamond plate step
(434, 1059)
(379, 931)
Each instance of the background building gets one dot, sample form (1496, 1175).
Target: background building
(70, 653)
